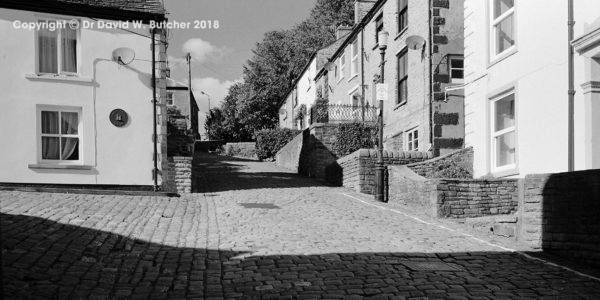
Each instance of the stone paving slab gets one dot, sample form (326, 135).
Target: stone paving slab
(298, 239)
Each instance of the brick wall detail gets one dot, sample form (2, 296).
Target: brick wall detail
(180, 174)
(463, 158)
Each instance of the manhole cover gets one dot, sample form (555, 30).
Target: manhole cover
(429, 266)
(260, 205)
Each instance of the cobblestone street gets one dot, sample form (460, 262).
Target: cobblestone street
(253, 230)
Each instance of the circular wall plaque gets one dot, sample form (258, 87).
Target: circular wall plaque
(118, 117)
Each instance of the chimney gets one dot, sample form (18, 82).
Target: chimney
(361, 8)
(342, 30)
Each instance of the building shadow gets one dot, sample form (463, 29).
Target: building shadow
(44, 259)
(215, 173)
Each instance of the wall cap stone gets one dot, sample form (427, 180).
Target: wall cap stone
(373, 153)
(441, 157)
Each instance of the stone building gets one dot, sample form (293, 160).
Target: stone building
(424, 111)
(77, 102)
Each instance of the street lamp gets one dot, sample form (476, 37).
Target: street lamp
(207, 95)
(379, 167)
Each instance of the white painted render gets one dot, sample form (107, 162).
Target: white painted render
(537, 71)
(114, 155)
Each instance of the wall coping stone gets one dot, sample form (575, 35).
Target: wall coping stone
(373, 153)
(182, 157)
(441, 157)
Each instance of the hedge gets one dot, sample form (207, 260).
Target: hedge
(354, 136)
(269, 141)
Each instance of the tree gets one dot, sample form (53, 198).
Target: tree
(214, 124)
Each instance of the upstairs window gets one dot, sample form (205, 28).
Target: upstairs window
(402, 15)
(342, 66)
(412, 140)
(170, 98)
(402, 77)
(378, 28)
(56, 50)
(456, 69)
(502, 26)
(354, 58)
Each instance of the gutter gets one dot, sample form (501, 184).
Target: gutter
(571, 92)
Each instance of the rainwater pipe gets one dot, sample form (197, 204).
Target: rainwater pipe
(571, 92)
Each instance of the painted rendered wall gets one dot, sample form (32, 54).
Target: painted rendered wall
(117, 155)
(537, 70)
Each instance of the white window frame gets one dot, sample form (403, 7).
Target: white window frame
(492, 29)
(409, 139)
(342, 64)
(354, 59)
(47, 18)
(172, 94)
(450, 68)
(79, 134)
(495, 134)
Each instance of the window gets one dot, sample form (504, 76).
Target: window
(412, 140)
(456, 69)
(59, 134)
(402, 77)
(56, 50)
(342, 66)
(503, 132)
(402, 15)
(378, 28)
(170, 98)
(336, 72)
(354, 58)
(502, 26)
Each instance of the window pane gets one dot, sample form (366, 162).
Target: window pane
(501, 6)
(355, 66)
(457, 74)
(504, 34)
(47, 51)
(416, 145)
(457, 63)
(402, 91)
(504, 112)
(69, 50)
(50, 122)
(355, 48)
(70, 149)
(50, 148)
(69, 122)
(505, 149)
(402, 65)
(416, 134)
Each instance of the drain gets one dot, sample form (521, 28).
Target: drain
(259, 205)
(430, 266)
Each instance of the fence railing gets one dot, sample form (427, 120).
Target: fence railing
(343, 113)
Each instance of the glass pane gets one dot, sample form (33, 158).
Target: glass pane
(402, 4)
(504, 112)
(355, 66)
(50, 148)
(457, 74)
(505, 149)
(69, 50)
(402, 62)
(69, 122)
(47, 51)
(402, 91)
(501, 6)
(355, 48)
(457, 63)
(70, 149)
(416, 134)
(50, 122)
(416, 144)
(504, 34)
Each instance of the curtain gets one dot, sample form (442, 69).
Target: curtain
(47, 51)
(69, 122)
(69, 50)
(69, 149)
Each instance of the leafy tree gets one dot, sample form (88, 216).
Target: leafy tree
(214, 124)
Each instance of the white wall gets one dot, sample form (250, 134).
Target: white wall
(307, 88)
(538, 71)
(116, 155)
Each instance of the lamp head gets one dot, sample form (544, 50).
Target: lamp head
(383, 39)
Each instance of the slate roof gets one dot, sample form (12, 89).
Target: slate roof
(145, 6)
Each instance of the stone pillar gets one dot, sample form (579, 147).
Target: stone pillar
(161, 90)
(591, 107)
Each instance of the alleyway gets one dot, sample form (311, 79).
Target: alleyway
(253, 230)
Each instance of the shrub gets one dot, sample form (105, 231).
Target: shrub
(320, 111)
(269, 141)
(449, 169)
(354, 136)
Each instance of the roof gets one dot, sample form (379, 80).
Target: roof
(174, 84)
(144, 10)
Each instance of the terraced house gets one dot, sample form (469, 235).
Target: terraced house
(78, 102)
(423, 71)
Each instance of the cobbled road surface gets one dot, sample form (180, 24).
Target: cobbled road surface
(254, 231)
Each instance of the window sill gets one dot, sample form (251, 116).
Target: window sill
(401, 33)
(60, 167)
(399, 105)
(352, 77)
(505, 172)
(502, 56)
(58, 77)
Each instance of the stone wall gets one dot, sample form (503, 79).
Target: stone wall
(462, 159)
(180, 174)
(561, 214)
(358, 168)
(454, 198)
(289, 156)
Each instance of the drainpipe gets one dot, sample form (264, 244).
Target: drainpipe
(362, 71)
(431, 76)
(571, 126)
(154, 137)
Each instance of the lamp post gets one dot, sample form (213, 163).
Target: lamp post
(379, 167)
(207, 95)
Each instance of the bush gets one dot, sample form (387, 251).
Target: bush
(269, 141)
(320, 111)
(354, 136)
(449, 169)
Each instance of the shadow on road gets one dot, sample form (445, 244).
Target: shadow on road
(46, 259)
(215, 173)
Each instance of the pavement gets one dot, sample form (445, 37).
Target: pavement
(252, 230)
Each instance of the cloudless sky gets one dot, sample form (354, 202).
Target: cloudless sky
(242, 23)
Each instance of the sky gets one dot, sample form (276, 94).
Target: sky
(218, 54)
